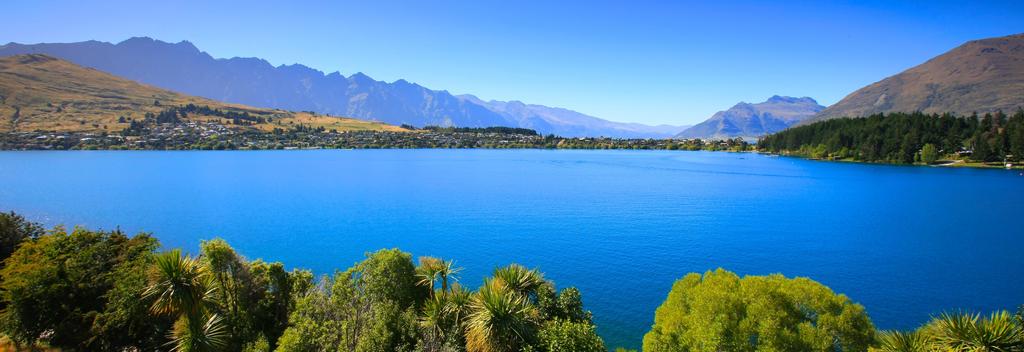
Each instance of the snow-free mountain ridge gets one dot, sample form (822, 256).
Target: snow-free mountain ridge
(750, 121)
(252, 81)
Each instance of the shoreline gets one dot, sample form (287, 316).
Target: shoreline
(942, 163)
(945, 163)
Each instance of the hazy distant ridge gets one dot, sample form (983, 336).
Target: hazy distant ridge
(183, 67)
(753, 120)
(567, 122)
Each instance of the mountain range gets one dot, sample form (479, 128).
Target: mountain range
(184, 68)
(43, 93)
(979, 76)
(750, 121)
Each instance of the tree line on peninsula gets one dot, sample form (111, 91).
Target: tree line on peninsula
(906, 138)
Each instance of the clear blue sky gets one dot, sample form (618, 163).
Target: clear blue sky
(655, 62)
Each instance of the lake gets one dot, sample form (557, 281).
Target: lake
(906, 242)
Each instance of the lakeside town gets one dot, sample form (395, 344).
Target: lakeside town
(209, 135)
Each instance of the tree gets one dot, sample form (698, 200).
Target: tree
(520, 280)
(126, 322)
(389, 275)
(566, 304)
(13, 230)
(179, 287)
(929, 153)
(970, 332)
(442, 319)
(898, 137)
(317, 322)
(428, 272)
(568, 336)
(254, 297)
(721, 311)
(898, 341)
(369, 307)
(982, 149)
(272, 299)
(501, 319)
(230, 277)
(71, 286)
(448, 272)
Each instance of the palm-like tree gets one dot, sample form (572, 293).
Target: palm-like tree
(520, 280)
(970, 332)
(178, 287)
(197, 335)
(428, 272)
(442, 318)
(447, 271)
(459, 300)
(501, 319)
(434, 320)
(433, 269)
(898, 341)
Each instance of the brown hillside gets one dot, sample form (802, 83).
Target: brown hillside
(40, 92)
(979, 76)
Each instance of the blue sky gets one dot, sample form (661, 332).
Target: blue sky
(670, 62)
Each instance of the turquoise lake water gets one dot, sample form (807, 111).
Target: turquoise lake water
(906, 242)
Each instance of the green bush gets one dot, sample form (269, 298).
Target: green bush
(720, 311)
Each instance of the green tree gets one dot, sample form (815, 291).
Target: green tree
(970, 332)
(317, 323)
(370, 307)
(566, 304)
(60, 284)
(898, 137)
(428, 272)
(180, 287)
(501, 319)
(520, 280)
(721, 311)
(442, 319)
(898, 341)
(259, 345)
(567, 336)
(14, 229)
(982, 149)
(254, 296)
(230, 277)
(272, 299)
(389, 275)
(126, 322)
(929, 154)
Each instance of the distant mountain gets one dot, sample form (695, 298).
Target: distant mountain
(564, 122)
(184, 68)
(752, 120)
(979, 76)
(41, 92)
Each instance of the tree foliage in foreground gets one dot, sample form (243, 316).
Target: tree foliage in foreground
(386, 303)
(902, 137)
(998, 332)
(97, 290)
(720, 311)
(80, 290)
(13, 230)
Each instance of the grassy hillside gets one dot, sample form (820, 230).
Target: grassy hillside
(40, 92)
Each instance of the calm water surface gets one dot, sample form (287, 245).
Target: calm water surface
(906, 242)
